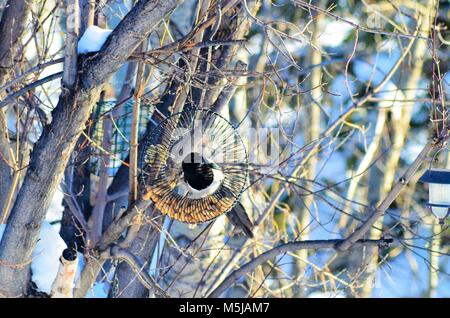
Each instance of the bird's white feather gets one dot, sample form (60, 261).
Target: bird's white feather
(185, 189)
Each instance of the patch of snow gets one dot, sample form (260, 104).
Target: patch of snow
(162, 241)
(80, 267)
(45, 257)
(334, 33)
(93, 39)
(254, 44)
(183, 17)
(99, 290)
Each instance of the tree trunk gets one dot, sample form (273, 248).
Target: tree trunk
(59, 138)
(312, 133)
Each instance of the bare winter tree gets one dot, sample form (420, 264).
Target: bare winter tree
(340, 108)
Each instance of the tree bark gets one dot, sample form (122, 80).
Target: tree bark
(63, 285)
(59, 138)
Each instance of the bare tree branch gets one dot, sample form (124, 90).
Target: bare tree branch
(139, 270)
(289, 247)
(392, 195)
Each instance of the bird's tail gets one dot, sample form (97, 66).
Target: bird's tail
(239, 218)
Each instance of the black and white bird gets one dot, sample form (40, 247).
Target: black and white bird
(202, 177)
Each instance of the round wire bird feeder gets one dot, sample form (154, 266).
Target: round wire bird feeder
(162, 153)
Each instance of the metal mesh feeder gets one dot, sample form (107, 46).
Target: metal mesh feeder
(120, 134)
(205, 141)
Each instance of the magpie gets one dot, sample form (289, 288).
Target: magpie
(203, 177)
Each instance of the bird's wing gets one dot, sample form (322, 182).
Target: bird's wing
(239, 218)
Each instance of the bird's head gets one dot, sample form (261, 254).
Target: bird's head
(195, 161)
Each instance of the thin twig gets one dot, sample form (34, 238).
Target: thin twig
(288, 247)
(139, 270)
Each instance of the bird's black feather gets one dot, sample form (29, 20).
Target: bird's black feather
(197, 173)
(239, 218)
